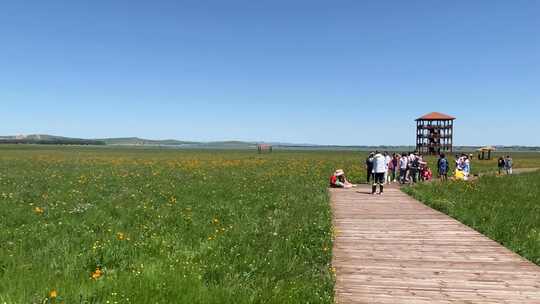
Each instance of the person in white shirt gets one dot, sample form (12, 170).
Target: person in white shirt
(379, 168)
(387, 160)
(403, 166)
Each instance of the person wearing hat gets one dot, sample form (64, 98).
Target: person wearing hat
(338, 180)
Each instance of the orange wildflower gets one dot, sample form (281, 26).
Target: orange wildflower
(97, 273)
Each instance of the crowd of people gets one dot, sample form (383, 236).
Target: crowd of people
(383, 168)
(401, 167)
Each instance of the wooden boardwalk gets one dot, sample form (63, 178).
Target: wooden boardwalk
(394, 249)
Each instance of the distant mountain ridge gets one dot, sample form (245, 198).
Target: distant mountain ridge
(230, 144)
(45, 139)
(143, 141)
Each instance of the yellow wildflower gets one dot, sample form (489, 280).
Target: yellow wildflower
(120, 236)
(39, 210)
(53, 294)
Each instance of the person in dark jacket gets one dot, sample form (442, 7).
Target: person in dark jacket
(501, 164)
(369, 167)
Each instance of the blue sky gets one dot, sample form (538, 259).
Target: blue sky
(326, 72)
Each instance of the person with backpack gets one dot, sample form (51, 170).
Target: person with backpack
(414, 167)
(369, 167)
(442, 166)
(379, 168)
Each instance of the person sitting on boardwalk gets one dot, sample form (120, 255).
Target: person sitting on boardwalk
(338, 180)
(379, 167)
(501, 164)
(508, 165)
(442, 166)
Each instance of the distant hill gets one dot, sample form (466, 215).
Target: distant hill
(136, 141)
(44, 139)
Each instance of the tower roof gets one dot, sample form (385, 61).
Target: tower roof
(436, 116)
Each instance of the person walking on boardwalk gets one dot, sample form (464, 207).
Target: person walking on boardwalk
(369, 167)
(508, 165)
(414, 165)
(501, 164)
(387, 160)
(403, 167)
(379, 168)
(442, 166)
(393, 168)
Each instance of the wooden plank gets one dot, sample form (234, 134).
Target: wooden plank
(393, 249)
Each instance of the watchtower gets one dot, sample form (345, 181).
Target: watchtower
(434, 133)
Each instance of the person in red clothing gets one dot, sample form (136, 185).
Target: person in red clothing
(339, 180)
(427, 175)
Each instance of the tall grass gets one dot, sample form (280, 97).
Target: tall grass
(150, 226)
(102, 225)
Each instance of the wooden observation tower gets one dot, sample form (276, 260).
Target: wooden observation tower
(434, 133)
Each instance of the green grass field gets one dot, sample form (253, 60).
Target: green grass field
(111, 225)
(505, 208)
(165, 226)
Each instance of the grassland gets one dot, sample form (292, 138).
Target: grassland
(164, 226)
(115, 225)
(505, 208)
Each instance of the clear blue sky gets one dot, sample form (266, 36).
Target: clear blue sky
(326, 72)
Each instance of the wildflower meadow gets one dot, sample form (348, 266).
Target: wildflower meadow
(136, 225)
(100, 225)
